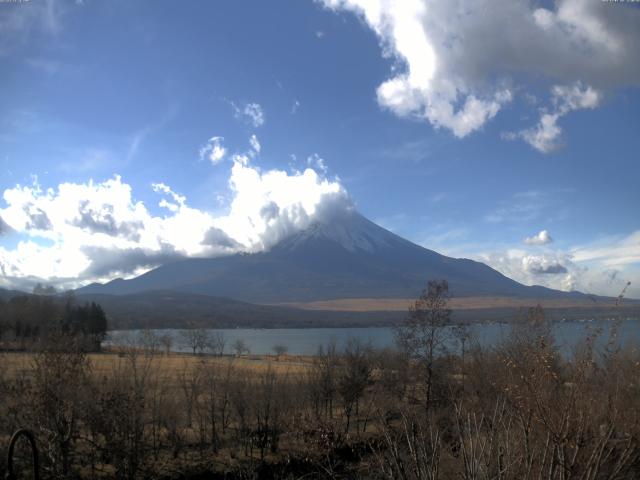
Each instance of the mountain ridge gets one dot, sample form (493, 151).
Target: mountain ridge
(347, 256)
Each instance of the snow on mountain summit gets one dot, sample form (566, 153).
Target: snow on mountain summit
(350, 230)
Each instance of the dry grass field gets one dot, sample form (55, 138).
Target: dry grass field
(460, 303)
(171, 366)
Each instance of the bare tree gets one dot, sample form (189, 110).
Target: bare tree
(121, 413)
(195, 339)
(270, 402)
(322, 379)
(463, 334)
(217, 343)
(279, 349)
(422, 333)
(61, 389)
(354, 376)
(166, 341)
(240, 347)
(149, 342)
(216, 378)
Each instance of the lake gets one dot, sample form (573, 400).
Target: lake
(306, 341)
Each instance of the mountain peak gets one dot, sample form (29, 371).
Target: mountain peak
(347, 229)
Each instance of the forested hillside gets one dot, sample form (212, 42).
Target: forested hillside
(28, 319)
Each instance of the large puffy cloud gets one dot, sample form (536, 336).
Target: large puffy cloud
(4, 228)
(457, 73)
(551, 269)
(543, 266)
(270, 205)
(96, 231)
(89, 229)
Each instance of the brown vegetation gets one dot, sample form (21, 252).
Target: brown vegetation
(516, 411)
(457, 303)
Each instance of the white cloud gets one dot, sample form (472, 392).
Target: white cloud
(542, 238)
(316, 161)
(616, 252)
(255, 144)
(268, 206)
(250, 112)
(455, 72)
(179, 200)
(213, 150)
(544, 265)
(603, 267)
(545, 136)
(521, 207)
(550, 269)
(81, 232)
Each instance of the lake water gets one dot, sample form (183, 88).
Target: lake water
(306, 341)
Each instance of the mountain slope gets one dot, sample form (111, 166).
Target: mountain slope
(348, 257)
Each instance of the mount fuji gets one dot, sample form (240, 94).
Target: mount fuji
(345, 257)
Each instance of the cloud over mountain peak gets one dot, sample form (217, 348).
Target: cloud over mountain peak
(95, 231)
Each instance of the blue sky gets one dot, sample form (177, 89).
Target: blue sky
(432, 124)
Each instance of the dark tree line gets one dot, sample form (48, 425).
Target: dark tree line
(27, 319)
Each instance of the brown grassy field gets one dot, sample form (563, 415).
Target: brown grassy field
(461, 303)
(172, 365)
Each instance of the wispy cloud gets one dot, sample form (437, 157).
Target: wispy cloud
(138, 138)
(48, 66)
(20, 22)
(616, 251)
(522, 207)
(255, 144)
(412, 150)
(250, 112)
(213, 150)
(317, 162)
(89, 160)
(546, 135)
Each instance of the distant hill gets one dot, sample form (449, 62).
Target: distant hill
(161, 309)
(347, 257)
(7, 294)
(164, 309)
(167, 309)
